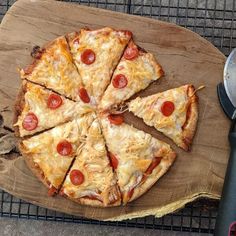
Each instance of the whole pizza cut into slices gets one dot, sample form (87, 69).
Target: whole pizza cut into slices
(136, 70)
(173, 112)
(91, 179)
(39, 109)
(138, 159)
(50, 154)
(53, 67)
(96, 54)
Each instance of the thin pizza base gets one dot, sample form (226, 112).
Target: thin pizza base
(50, 166)
(156, 174)
(191, 119)
(99, 181)
(129, 161)
(36, 170)
(92, 202)
(179, 126)
(108, 45)
(18, 108)
(67, 111)
(53, 67)
(140, 72)
(166, 161)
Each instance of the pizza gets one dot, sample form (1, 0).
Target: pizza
(53, 68)
(38, 109)
(135, 71)
(91, 180)
(50, 154)
(96, 54)
(138, 159)
(173, 112)
(66, 117)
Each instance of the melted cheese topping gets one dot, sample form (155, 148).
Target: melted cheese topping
(42, 148)
(134, 150)
(56, 70)
(149, 109)
(108, 45)
(92, 161)
(36, 101)
(139, 72)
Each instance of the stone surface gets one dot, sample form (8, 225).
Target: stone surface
(14, 227)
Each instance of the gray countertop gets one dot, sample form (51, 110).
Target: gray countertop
(15, 227)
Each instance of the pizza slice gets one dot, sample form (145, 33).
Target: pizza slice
(96, 54)
(173, 112)
(138, 159)
(39, 109)
(136, 70)
(50, 154)
(91, 180)
(53, 68)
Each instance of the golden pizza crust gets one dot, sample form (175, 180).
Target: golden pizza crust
(71, 36)
(45, 49)
(90, 202)
(103, 42)
(190, 125)
(151, 179)
(18, 107)
(152, 60)
(36, 170)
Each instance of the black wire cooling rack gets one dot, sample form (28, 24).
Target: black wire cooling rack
(212, 19)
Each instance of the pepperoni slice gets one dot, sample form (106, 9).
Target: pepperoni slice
(116, 119)
(130, 193)
(88, 56)
(131, 53)
(167, 108)
(120, 81)
(52, 191)
(114, 161)
(54, 101)
(64, 148)
(84, 95)
(153, 165)
(30, 121)
(76, 177)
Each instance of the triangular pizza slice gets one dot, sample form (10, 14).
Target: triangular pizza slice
(50, 154)
(91, 179)
(53, 68)
(136, 70)
(96, 54)
(173, 112)
(38, 109)
(138, 159)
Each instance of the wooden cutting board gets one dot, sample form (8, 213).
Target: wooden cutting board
(185, 57)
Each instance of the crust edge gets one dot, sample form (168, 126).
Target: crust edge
(192, 118)
(31, 165)
(18, 107)
(90, 202)
(154, 177)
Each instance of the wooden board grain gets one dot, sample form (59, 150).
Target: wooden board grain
(185, 57)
